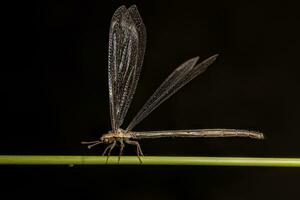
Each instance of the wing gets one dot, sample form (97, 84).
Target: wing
(127, 43)
(176, 80)
(198, 133)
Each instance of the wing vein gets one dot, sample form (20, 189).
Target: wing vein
(127, 40)
(176, 80)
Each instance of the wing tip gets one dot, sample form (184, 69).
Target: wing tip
(121, 7)
(211, 59)
(133, 6)
(214, 57)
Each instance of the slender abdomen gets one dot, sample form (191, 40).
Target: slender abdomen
(198, 133)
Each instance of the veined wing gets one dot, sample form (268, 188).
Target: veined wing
(198, 133)
(176, 80)
(127, 43)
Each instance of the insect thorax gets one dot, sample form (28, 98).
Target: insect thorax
(116, 135)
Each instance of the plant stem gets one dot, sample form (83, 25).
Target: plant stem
(148, 160)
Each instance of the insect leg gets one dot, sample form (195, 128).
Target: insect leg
(138, 148)
(105, 150)
(122, 145)
(110, 148)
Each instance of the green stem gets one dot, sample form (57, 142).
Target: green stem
(148, 160)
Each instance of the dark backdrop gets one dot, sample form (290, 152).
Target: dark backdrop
(54, 93)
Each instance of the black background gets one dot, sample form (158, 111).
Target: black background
(54, 89)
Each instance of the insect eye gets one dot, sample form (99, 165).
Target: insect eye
(106, 140)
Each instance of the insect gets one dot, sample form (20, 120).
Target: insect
(127, 43)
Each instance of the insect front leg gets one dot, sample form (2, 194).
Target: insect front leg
(110, 148)
(122, 145)
(138, 148)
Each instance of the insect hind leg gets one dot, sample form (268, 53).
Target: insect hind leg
(138, 148)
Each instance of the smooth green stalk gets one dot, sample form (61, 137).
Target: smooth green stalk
(148, 160)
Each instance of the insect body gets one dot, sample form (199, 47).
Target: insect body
(127, 44)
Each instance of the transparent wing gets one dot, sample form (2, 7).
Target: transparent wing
(127, 42)
(198, 133)
(176, 80)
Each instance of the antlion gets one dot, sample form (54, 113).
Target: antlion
(127, 44)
